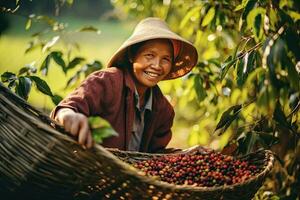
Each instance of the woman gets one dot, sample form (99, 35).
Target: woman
(126, 93)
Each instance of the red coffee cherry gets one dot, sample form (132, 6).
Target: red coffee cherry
(208, 168)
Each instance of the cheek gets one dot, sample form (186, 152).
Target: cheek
(139, 64)
(168, 68)
(137, 69)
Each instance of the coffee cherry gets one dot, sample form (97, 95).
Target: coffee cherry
(201, 168)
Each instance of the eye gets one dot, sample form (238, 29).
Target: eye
(166, 59)
(149, 55)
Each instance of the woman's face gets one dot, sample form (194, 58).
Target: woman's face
(152, 62)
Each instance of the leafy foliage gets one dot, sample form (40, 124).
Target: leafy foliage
(247, 83)
(101, 129)
(246, 86)
(28, 75)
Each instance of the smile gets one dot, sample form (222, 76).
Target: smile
(153, 75)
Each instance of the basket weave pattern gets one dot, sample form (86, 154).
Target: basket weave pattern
(41, 162)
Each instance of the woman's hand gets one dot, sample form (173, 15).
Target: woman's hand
(77, 124)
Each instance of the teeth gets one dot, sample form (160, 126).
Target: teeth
(152, 74)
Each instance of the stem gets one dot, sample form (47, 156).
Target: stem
(9, 10)
(295, 110)
(249, 50)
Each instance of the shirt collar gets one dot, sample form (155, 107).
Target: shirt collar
(148, 104)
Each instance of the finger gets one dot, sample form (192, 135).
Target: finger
(83, 132)
(89, 143)
(61, 117)
(67, 125)
(74, 128)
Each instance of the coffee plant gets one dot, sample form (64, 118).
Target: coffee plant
(244, 94)
(23, 80)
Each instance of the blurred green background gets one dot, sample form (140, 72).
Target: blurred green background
(14, 42)
(112, 31)
(244, 93)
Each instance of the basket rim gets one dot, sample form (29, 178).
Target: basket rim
(267, 153)
(124, 167)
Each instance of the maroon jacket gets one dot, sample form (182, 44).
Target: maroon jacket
(109, 93)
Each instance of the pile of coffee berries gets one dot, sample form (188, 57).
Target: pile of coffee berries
(201, 168)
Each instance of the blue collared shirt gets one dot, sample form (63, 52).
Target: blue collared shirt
(139, 122)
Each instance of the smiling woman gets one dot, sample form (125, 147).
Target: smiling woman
(126, 93)
(151, 63)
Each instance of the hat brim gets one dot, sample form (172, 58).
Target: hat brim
(185, 61)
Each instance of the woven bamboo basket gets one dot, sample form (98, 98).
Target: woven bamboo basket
(42, 162)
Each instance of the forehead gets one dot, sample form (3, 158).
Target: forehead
(162, 45)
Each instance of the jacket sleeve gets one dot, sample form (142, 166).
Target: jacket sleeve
(90, 97)
(162, 134)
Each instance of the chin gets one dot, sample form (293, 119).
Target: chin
(149, 84)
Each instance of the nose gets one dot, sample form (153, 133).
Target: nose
(155, 63)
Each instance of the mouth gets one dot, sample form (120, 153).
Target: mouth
(152, 74)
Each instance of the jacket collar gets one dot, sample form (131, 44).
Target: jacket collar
(129, 83)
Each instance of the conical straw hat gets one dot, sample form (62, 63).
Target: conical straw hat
(155, 28)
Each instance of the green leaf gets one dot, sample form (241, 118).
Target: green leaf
(235, 53)
(101, 133)
(247, 141)
(28, 24)
(285, 18)
(95, 66)
(275, 62)
(8, 77)
(280, 117)
(258, 26)
(74, 62)
(292, 39)
(266, 99)
(188, 16)
(249, 6)
(294, 15)
(209, 17)
(226, 66)
(254, 21)
(33, 45)
(29, 69)
(198, 85)
(57, 57)
(251, 141)
(73, 79)
(199, 37)
(253, 13)
(101, 129)
(89, 29)
(45, 65)
(23, 87)
(215, 62)
(41, 85)
(293, 75)
(227, 117)
(273, 18)
(267, 139)
(51, 43)
(56, 99)
(241, 6)
(244, 67)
